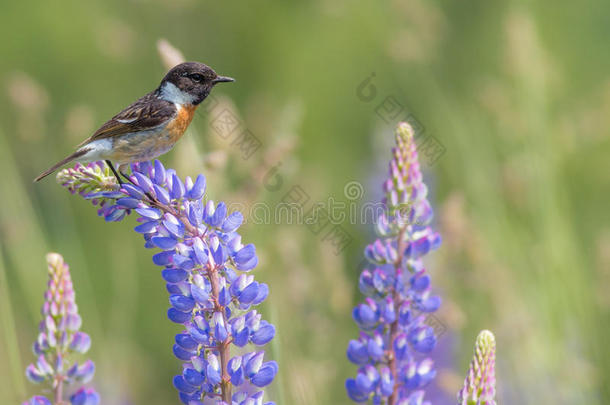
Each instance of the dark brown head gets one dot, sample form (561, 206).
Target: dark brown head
(189, 83)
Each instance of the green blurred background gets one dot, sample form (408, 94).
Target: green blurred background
(517, 93)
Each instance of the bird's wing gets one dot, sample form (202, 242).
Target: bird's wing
(146, 113)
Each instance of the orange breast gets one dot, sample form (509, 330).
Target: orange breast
(178, 126)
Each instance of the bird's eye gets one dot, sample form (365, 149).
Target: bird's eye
(196, 77)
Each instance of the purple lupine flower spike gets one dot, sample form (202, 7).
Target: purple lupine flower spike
(206, 269)
(58, 339)
(480, 383)
(394, 338)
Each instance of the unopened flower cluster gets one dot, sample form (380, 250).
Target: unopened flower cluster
(480, 384)
(206, 269)
(394, 337)
(59, 338)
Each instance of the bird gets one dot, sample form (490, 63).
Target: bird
(151, 125)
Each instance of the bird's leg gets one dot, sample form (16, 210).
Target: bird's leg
(121, 167)
(109, 163)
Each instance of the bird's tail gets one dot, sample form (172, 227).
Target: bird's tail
(57, 165)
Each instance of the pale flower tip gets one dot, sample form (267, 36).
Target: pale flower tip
(54, 260)
(405, 130)
(486, 340)
(479, 385)
(170, 55)
(63, 176)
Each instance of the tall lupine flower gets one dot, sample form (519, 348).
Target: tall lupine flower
(480, 384)
(205, 266)
(58, 339)
(394, 338)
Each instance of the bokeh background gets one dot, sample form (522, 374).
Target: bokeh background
(517, 95)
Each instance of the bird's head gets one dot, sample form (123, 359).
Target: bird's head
(189, 83)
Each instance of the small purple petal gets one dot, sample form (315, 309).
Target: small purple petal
(144, 182)
(232, 222)
(174, 275)
(213, 374)
(219, 215)
(38, 400)
(240, 339)
(164, 242)
(198, 189)
(263, 292)
(33, 374)
(199, 250)
(430, 304)
(176, 229)
(355, 393)
(182, 303)
(146, 227)
(185, 341)
(115, 215)
(182, 386)
(177, 191)
(199, 294)
(249, 293)
(128, 202)
(162, 194)
(193, 377)
(263, 335)
(244, 255)
(163, 258)
(159, 177)
(81, 342)
(85, 396)
(357, 352)
(151, 213)
(183, 262)
(182, 354)
(177, 316)
(133, 191)
(265, 375)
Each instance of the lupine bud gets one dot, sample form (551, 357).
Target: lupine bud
(397, 288)
(480, 384)
(59, 332)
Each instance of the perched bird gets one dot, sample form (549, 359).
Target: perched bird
(153, 124)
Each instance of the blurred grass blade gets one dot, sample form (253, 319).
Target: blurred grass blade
(13, 365)
(21, 234)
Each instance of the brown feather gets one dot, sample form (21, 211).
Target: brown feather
(146, 113)
(57, 165)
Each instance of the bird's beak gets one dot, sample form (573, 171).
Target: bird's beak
(221, 79)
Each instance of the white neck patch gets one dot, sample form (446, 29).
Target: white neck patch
(169, 92)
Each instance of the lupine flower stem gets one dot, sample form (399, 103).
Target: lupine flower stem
(59, 338)
(205, 269)
(211, 271)
(393, 333)
(59, 385)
